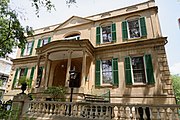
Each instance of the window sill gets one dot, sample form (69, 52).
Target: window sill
(138, 38)
(141, 85)
(107, 86)
(106, 43)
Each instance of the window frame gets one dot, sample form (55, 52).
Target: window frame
(128, 30)
(101, 73)
(132, 73)
(73, 37)
(101, 32)
(27, 50)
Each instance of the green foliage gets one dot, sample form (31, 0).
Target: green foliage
(11, 31)
(24, 80)
(176, 86)
(57, 93)
(1, 82)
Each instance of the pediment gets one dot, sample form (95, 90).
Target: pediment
(73, 21)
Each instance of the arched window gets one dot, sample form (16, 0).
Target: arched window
(73, 37)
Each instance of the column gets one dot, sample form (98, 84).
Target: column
(43, 83)
(68, 67)
(48, 73)
(83, 77)
(36, 72)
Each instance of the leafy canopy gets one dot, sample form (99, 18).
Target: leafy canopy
(176, 86)
(12, 33)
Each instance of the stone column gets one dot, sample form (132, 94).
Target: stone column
(43, 83)
(47, 73)
(83, 76)
(68, 67)
(36, 71)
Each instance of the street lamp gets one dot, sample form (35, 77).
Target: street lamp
(73, 83)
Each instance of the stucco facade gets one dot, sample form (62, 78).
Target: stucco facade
(121, 51)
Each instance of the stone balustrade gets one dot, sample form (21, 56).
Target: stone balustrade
(100, 111)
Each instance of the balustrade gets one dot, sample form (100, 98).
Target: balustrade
(104, 110)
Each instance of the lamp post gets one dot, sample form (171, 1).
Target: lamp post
(72, 84)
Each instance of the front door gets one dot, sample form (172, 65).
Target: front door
(60, 74)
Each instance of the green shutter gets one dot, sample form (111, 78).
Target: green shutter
(113, 27)
(39, 43)
(115, 71)
(31, 75)
(49, 39)
(97, 78)
(128, 76)
(143, 26)
(22, 51)
(98, 35)
(32, 47)
(15, 78)
(149, 69)
(124, 30)
(25, 72)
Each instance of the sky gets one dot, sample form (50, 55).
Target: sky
(168, 11)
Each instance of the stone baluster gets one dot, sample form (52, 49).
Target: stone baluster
(101, 112)
(151, 113)
(55, 112)
(47, 109)
(144, 113)
(44, 108)
(91, 112)
(96, 111)
(158, 113)
(107, 112)
(133, 112)
(112, 110)
(81, 111)
(118, 112)
(137, 113)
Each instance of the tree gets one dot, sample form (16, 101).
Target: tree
(12, 33)
(176, 84)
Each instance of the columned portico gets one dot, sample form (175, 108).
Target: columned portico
(59, 60)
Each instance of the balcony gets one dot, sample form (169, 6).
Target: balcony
(98, 111)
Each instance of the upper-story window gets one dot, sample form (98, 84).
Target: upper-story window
(73, 37)
(139, 70)
(134, 28)
(107, 72)
(28, 48)
(106, 33)
(43, 41)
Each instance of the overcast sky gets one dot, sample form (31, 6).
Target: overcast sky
(169, 12)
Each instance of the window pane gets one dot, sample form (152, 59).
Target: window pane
(107, 71)
(138, 69)
(44, 41)
(134, 30)
(106, 34)
(28, 48)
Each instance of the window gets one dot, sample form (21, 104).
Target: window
(39, 77)
(18, 74)
(106, 34)
(134, 28)
(43, 41)
(28, 49)
(107, 72)
(139, 69)
(73, 37)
